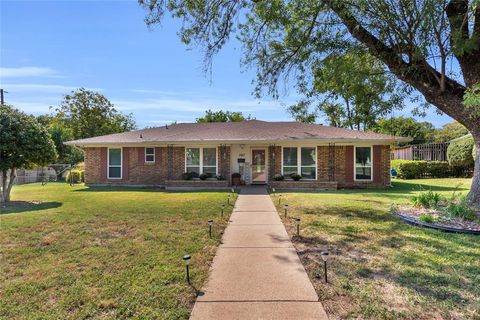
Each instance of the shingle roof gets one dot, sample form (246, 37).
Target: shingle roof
(250, 130)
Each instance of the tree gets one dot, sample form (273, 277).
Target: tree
(416, 41)
(24, 143)
(351, 90)
(222, 116)
(459, 152)
(88, 114)
(449, 132)
(421, 132)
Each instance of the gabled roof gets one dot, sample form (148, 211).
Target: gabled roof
(250, 130)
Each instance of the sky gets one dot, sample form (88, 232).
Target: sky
(49, 48)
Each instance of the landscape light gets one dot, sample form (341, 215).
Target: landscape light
(186, 259)
(297, 221)
(279, 198)
(233, 190)
(286, 207)
(210, 223)
(273, 190)
(223, 208)
(325, 257)
(228, 199)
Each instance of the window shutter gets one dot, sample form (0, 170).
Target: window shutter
(349, 167)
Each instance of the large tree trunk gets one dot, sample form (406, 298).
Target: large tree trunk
(7, 184)
(475, 189)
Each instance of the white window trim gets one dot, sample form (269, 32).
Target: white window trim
(145, 153)
(355, 163)
(201, 159)
(299, 162)
(116, 166)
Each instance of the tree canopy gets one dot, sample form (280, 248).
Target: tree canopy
(449, 132)
(417, 41)
(222, 116)
(24, 143)
(421, 132)
(89, 114)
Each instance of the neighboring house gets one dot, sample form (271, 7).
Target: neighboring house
(326, 157)
(37, 174)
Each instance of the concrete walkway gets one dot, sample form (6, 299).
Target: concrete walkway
(256, 273)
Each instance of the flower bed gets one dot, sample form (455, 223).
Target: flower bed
(440, 221)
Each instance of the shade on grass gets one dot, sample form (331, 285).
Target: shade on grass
(104, 253)
(382, 268)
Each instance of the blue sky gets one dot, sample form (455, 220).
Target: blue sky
(51, 48)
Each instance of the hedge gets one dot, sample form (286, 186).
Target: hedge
(78, 176)
(460, 152)
(415, 169)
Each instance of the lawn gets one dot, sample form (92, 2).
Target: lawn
(382, 268)
(105, 253)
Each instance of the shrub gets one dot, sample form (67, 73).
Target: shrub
(460, 152)
(295, 176)
(426, 217)
(438, 169)
(427, 199)
(220, 177)
(460, 208)
(203, 176)
(77, 176)
(278, 177)
(410, 169)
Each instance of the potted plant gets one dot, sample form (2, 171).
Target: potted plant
(278, 177)
(203, 176)
(220, 177)
(236, 178)
(295, 176)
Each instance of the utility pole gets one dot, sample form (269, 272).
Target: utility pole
(2, 101)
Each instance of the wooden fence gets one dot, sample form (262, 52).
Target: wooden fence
(426, 151)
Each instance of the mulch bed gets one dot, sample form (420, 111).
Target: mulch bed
(413, 215)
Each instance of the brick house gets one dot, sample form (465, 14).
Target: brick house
(325, 157)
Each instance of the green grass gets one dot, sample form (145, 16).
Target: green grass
(104, 253)
(382, 268)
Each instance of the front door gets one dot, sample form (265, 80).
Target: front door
(259, 174)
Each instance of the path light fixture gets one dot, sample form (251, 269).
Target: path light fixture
(223, 208)
(273, 191)
(228, 199)
(186, 259)
(233, 190)
(210, 223)
(279, 198)
(325, 257)
(286, 207)
(297, 222)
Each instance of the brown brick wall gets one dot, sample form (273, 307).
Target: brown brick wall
(223, 155)
(170, 165)
(274, 161)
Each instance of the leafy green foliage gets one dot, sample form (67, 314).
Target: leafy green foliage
(222, 116)
(295, 177)
(460, 152)
(420, 132)
(428, 199)
(77, 176)
(351, 90)
(24, 143)
(61, 134)
(459, 207)
(426, 217)
(89, 114)
(449, 132)
(278, 177)
(416, 169)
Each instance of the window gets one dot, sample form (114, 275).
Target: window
(149, 155)
(290, 162)
(363, 163)
(115, 163)
(309, 167)
(201, 160)
(308, 162)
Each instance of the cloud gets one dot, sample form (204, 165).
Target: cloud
(44, 88)
(27, 72)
